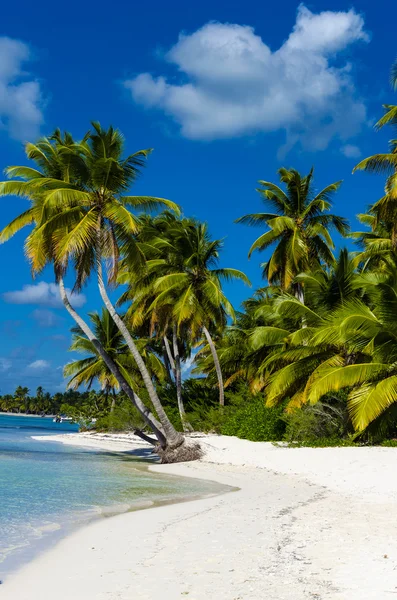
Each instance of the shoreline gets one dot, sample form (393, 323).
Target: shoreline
(312, 520)
(11, 414)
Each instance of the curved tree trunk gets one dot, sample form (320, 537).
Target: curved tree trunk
(113, 406)
(149, 419)
(174, 438)
(144, 437)
(169, 355)
(217, 366)
(178, 382)
(167, 363)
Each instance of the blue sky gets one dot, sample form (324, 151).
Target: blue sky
(225, 93)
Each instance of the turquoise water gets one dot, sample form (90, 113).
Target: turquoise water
(47, 488)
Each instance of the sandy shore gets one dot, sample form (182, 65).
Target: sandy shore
(10, 414)
(305, 524)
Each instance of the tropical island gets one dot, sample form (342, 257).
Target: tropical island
(305, 369)
(309, 358)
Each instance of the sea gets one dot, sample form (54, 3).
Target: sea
(48, 489)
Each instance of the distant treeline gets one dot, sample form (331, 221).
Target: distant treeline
(44, 403)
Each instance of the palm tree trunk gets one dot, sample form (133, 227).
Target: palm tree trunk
(178, 382)
(173, 438)
(217, 366)
(113, 406)
(149, 419)
(144, 437)
(169, 355)
(167, 363)
(299, 293)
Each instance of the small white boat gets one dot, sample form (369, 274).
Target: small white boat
(60, 419)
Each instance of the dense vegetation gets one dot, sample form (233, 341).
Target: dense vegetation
(311, 357)
(82, 405)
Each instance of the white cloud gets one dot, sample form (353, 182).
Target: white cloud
(232, 83)
(5, 364)
(351, 151)
(39, 365)
(20, 94)
(45, 317)
(44, 294)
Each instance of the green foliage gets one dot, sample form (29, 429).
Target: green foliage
(201, 404)
(309, 359)
(323, 442)
(125, 417)
(248, 417)
(298, 226)
(71, 403)
(313, 425)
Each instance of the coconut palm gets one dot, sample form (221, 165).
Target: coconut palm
(86, 371)
(329, 287)
(240, 354)
(299, 228)
(370, 375)
(385, 209)
(188, 281)
(82, 215)
(352, 348)
(21, 396)
(155, 241)
(93, 368)
(376, 243)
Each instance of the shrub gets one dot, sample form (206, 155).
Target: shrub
(326, 423)
(389, 443)
(323, 442)
(249, 418)
(124, 418)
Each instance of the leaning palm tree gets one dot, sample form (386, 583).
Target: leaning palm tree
(299, 228)
(92, 368)
(82, 215)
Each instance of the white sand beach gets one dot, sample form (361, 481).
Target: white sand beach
(305, 524)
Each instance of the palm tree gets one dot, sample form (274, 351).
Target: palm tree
(188, 282)
(393, 75)
(93, 368)
(376, 243)
(21, 396)
(155, 241)
(327, 288)
(241, 353)
(385, 209)
(299, 228)
(371, 373)
(82, 215)
(351, 348)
